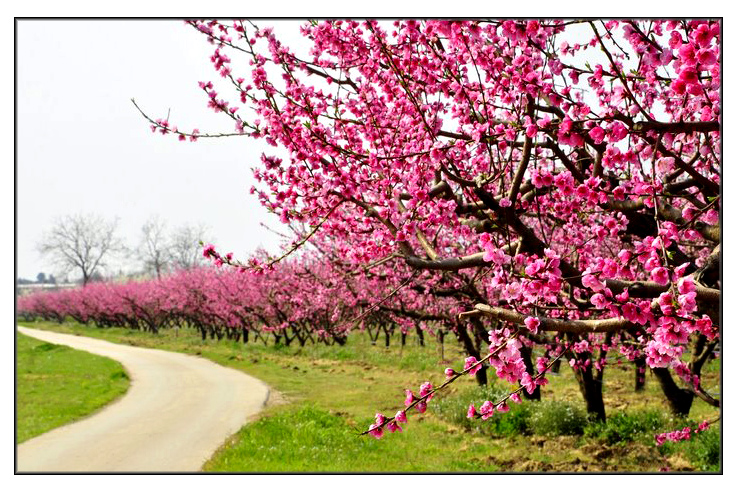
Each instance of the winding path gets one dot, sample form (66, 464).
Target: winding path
(178, 410)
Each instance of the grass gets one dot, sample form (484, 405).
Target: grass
(57, 385)
(330, 394)
(631, 426)
(702, 451)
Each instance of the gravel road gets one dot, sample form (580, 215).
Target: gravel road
(178, 410)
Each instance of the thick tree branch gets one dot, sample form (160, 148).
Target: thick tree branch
(610, 325)
(677, 127)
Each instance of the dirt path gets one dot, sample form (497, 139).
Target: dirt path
(178, 410)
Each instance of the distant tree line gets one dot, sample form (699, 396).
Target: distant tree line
(41, 278)
(84, 244)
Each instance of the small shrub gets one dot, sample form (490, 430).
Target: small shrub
(627, 427)
(557, 418)
(549, 418)
(453, 408)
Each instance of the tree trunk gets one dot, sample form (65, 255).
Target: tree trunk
(640, 373)
(680, 400)
(526, 355)
(592, 392)
(441, 342)
(469, 346)
(373, 338)
(481, 376)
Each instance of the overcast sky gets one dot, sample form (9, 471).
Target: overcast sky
(82, 147)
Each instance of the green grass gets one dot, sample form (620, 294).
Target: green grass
(332, 394)
(703, 450)
(307, 438)
(57, 385)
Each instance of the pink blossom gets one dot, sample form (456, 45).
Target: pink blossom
(685, 285)
(591, 282)
(624, 256)
(469, 363)
(375, 431)
(426, 389)
(705, 326)
(209, 250)
(392, 426)
(665, 303)
(687, 301)
(532, 324)
(660, 275)
(680, 270)
(599, 300)
(617, 132)
(409, 397)
(487, 409)
(528, 383)
(597, 134)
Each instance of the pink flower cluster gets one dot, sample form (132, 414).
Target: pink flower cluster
(487, 410)
(680, 434)
(425, 394)
(376, 429)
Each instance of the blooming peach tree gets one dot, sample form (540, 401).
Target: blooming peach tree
(546, 183)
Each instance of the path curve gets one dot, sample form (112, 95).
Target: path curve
(176, 413)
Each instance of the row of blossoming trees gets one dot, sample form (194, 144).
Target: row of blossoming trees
(297, 301)
(309, 302)
(550, 184)
(293, 303)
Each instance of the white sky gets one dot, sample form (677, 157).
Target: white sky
(82, 147)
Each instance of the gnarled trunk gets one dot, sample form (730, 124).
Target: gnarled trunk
(680, 399)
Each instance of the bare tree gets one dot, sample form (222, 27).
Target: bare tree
(185, 248)
(154, 249)
(81, 242)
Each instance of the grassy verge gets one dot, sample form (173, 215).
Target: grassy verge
(57, 385)
(332, 393)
